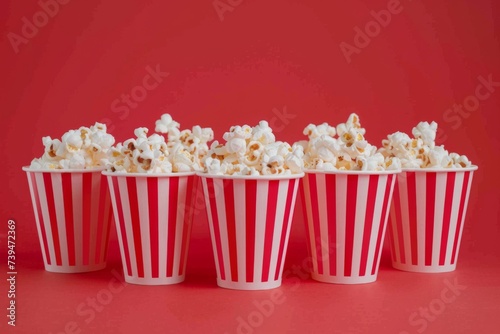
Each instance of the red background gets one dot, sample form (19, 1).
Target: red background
(263, 56)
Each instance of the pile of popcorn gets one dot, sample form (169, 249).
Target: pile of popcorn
(77, 149)
(343, 148)
(246, 151)
(253, 151)
(421, 151)
(183, 152)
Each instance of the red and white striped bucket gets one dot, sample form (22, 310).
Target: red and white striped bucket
(346, 214)
(153, 215)
(427, 218)
(250, 220)
(73, 214)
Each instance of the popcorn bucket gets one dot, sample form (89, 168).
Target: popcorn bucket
(249, 219)
(346, 216)
(427, 218)
(73, 213)
(153, 215)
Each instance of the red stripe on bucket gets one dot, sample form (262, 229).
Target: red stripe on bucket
(370, 205)
(272, 200)
(188, 216)
(215, 220)
(153, 207)
(251, 207)
(87, 202)
(231, 227)
(460, 215)
(315, 216)
(286, 222)
(430, 188)
(68, 215)
(47, 179)
(448, 203)
(399, 229)
(121, 223)
(40, 217)
(352, 192)
(331, 207)
(136, 224)
(412, 215)
(173, 194)
(99, 230)
(385, 212)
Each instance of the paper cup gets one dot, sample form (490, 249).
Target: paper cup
(153, 215)
(249, 219)
(346, 216)
(427, 218)
(73, 213)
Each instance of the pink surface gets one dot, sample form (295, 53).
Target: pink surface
(292, 63)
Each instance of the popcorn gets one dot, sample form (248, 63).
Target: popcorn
(315, 131)
(426, 132)
(77, 149)
(460, 160)
(294, 161)
(263, 133)
(253, 151)
(371, 162)
(352, 124)
(342, 148)
(327, 149)
(236, 139)
(421, 151)
(438, 157)
(183, 152)
(167, 125)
